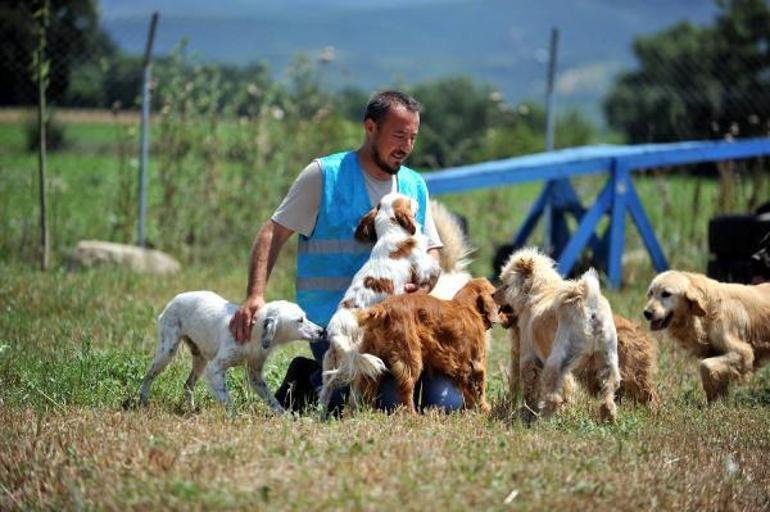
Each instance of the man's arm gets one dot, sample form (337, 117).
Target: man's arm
(264, 253)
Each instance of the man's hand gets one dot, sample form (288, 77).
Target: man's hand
(413, 288)
(242, 321)
(424, 287)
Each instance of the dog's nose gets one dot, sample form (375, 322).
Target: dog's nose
(648, 314)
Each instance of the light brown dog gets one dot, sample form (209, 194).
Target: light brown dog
(418, 332)
(637, 359)
(561, 325)
(726, 325)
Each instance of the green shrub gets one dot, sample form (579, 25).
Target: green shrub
(55, 139)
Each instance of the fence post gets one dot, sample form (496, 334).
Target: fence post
(620, 183)
(550, 244)
(41, 68)
(145, 130)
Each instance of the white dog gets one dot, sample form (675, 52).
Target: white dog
(201, 319)
(399, 256)
(559, 324)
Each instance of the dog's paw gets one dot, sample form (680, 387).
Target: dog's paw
(528, 415)
(608, 412)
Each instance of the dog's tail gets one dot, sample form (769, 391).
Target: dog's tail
(584, 298)
(585, 291)
(454, 256)
(345, 337)
(591, 288)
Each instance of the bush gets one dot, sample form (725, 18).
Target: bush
(54, 135)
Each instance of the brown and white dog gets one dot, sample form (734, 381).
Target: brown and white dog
(418, 333)
(726, 325)
(559, 326)
(399, 257)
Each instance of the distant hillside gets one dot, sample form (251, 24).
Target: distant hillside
(376, 43)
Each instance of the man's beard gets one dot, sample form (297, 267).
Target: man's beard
(384, 167)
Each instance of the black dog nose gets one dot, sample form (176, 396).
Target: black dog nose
(648, 314)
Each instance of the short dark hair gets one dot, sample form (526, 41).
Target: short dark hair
(380, 103)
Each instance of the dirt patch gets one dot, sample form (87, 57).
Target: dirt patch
(63, 115)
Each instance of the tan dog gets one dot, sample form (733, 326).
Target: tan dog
(637, 359)
(419, 332)
(726, 325)
(562, 325)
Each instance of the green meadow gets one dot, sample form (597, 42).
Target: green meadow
(74, 344)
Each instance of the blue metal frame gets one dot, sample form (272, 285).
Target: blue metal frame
(617, 198)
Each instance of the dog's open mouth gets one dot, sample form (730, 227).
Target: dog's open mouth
(657, 325)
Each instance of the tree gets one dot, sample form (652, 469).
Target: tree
(73, 33)
(698, 83)
(457, 111)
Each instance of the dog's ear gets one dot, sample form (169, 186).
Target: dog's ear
(365, 231)
(414, 205)
(488, 309)
(402, 212)
(525, 266)
(269, 326)
(696, 300)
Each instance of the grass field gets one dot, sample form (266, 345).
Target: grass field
(74, 345)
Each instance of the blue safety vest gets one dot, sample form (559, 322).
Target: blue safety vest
(328, 259)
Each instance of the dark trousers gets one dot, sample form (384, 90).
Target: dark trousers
(303, 382)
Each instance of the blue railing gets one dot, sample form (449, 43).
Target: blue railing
(617, 197)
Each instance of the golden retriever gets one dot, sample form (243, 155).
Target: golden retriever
(726, 325)
(561, 325)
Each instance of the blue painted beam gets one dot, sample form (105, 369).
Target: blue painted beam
(696, 152)
(645, 230)
(620, 184)
(532, 217)
(507, 172)
(584, 231)
(567, 199)
(571, 162)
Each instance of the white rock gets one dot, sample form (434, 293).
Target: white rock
(93, 253)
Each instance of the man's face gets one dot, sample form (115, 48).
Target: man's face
(393, 140)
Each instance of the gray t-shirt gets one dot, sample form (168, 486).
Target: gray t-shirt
(299, 209)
